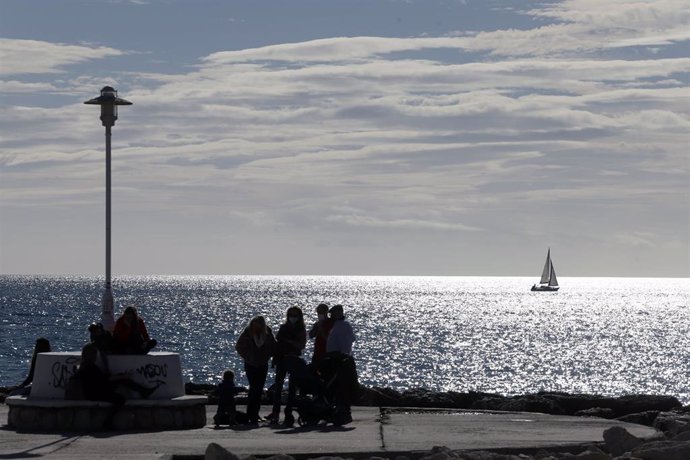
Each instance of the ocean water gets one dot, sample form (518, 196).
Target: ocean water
(610, 336)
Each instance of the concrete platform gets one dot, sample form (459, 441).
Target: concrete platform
(373, 431)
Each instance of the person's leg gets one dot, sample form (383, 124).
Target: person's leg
(257, 379)
(252, 397)
(277, 392)
(261, 382)
(347, 388)
(292, 393)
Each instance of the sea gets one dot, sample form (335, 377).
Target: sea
(608, 336)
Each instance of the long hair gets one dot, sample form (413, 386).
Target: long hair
(300, 315)
(259, 319)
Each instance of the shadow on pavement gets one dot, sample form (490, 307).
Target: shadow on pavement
(28, 452)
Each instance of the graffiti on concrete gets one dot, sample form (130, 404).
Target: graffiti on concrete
(62, 371)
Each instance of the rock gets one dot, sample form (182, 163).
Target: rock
(280, 457)
(672, 423)
(641, 418)
(602, 412)
(530, 403)
(571, 403)
(641, 403)
(683, 436)
(217, 452)
(663, 450)
(421, 397)
(203, 389)
(378, 397)
(438, 456)
(618, 440)
(593, 453)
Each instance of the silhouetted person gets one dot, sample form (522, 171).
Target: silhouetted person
(340, 365)
(103, 340)
(319, 332)
(290, 341)
(130, 334)
(24, 388)
(227, 413)
(256, 345)
(97, 385)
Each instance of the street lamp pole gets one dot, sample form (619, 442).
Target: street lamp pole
(108, 100)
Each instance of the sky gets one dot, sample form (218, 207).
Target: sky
(372, 137)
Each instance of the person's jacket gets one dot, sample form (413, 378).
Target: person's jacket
(122, 333)
(251, 352)
(319, 331)
(291, 340)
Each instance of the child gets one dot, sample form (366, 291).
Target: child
(226, 391)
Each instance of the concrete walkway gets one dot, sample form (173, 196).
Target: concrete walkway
(372, 431)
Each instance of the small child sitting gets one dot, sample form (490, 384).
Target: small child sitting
(226, 391)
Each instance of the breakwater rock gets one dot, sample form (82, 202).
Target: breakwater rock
(544, 402)
(642, 409)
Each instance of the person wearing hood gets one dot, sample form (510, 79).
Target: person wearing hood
(130, 334)
(256, 346)
(290, 342)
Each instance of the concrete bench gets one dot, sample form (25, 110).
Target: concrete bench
(35, 414)
(160, 369)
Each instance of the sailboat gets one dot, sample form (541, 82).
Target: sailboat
(548, 280)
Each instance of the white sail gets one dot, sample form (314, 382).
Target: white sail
(552, 280)
(548, 280)
(548, 266)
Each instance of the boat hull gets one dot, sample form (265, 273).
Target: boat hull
(537, 288)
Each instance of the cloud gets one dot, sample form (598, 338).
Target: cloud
(333, 49)
(501, 131)
(39, 57)
(416, 224)
(14, 86)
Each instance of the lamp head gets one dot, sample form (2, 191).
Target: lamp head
(108, 100)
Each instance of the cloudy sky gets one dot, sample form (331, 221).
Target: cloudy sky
(389, 137)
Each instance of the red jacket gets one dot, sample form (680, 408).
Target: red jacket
(123, 330)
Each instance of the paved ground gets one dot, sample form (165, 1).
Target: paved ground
(397, 430)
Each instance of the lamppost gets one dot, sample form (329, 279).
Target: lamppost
(108, 101)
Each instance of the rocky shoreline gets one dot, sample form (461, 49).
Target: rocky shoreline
(642, 409)
(664, 413)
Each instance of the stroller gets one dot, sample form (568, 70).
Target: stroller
(332, 385)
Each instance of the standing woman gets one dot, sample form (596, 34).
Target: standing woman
(290, 342)
(256, 346)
